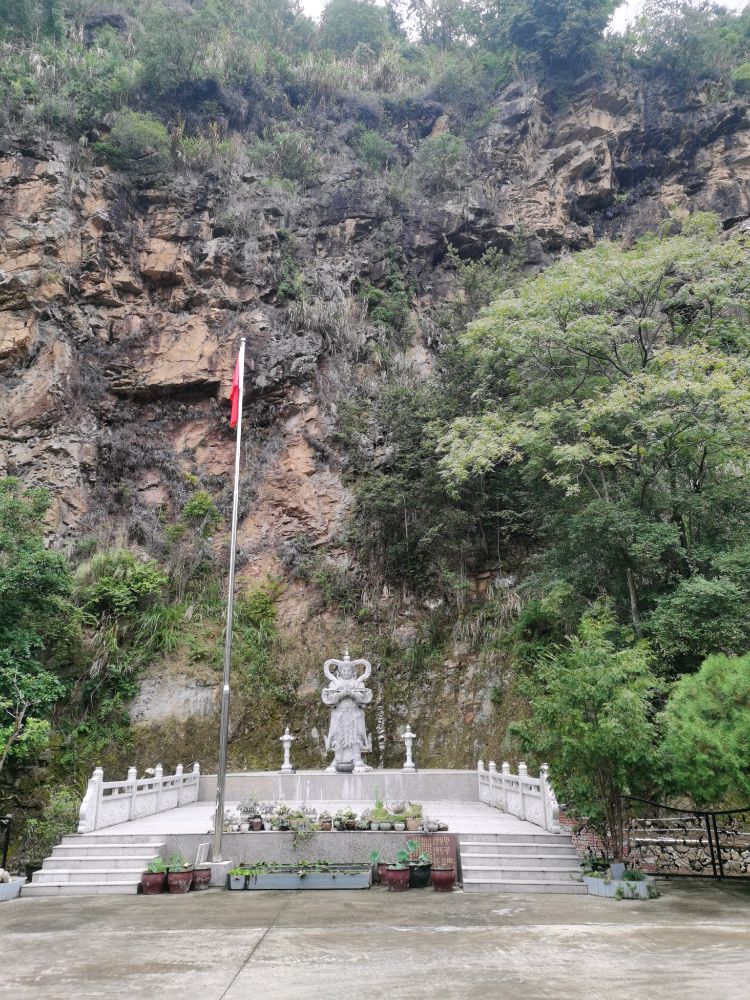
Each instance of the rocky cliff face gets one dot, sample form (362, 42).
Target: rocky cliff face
(122, 298)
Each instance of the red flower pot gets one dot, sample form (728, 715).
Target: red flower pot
(443, 879)
(152, 883)
(256, 823)
(382, 872)
(201, 879)
(179, 882)
(398, 879)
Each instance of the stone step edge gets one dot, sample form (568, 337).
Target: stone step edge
(481, 854)
(101, 857)
(92, 845)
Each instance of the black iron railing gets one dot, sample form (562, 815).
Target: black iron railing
(5, 825)
(708, 843)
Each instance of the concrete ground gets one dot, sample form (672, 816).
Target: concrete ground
(692, 942)
(461, 817)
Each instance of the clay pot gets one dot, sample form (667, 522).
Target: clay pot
(382, 872)
(412, 825)
(419, 876)
(152, 883)
(398, 879)
(386, 826)
(351, 824)
(443, 879)
(201, 879)
(179, 882)
(326, 825)
(244, 827)
(256, 823)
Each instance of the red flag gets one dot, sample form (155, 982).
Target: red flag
(234, 394)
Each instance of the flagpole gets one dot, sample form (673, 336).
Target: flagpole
(221, 776)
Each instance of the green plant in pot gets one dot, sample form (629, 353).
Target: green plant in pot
(398, 873)
(154, 878)
(179, 875)
(237, 878)
(420, 866)
(414, 817)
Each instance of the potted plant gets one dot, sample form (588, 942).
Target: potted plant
(632, 885)
(10, 887)
(398, 873)
(201, 878)
(154, 878)
(325, 821)
(420, 866)
(399, 822)
(443, 878)
(414, 817)
(237, 878)
(179, 874)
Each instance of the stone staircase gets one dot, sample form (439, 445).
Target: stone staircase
(94, 865)
(519, 862)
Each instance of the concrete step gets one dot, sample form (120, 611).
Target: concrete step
(567, 860)
(112, 838)
(501, 872)
(516, 839)
(106, 850)
(47, 876)
(89, 861)
(80, 888)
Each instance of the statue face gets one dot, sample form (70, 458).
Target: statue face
(346, 671)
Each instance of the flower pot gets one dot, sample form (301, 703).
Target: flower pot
(419, 876)
(10, 890)
(201, 879)
(351, 824)
(237, 881)
(386, 826)
(382, 872)
(398, 879)
(443, 879)
(179, 882)
(374, 826)
(326, 826)
(399, 827)
(34, 866)
(244, 827)
(412, 825)
(152, 883)
(256, 823)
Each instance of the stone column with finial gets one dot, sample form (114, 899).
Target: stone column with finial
(408, 737)
(286, 740)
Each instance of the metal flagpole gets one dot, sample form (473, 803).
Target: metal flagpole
(221, 776)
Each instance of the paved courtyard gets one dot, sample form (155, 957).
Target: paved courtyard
(692, 942)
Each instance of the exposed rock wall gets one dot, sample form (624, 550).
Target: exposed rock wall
(122, 298)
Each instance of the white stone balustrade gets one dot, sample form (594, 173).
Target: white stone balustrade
(109, 802)
(531, 799)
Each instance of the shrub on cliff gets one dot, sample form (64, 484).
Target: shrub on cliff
(136, 139)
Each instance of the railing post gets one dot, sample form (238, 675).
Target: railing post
(159, 782)
(546, 804)
(196, 783)
(504, 771)
(492, 778)
(133, 782)
(178, 774)
(523, 772)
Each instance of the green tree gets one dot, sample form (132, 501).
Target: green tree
(563, 34)
(707, 732)
(614, 390)
(591, 703)
(345, 24)
(39, 626)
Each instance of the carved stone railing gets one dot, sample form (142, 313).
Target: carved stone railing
(531, 799)
(109, 802)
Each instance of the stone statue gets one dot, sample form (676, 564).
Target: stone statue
(346, 696)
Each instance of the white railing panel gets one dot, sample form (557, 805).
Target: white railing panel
(109, 802)
(521, 795)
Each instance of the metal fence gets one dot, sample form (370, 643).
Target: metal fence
(665, 840)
